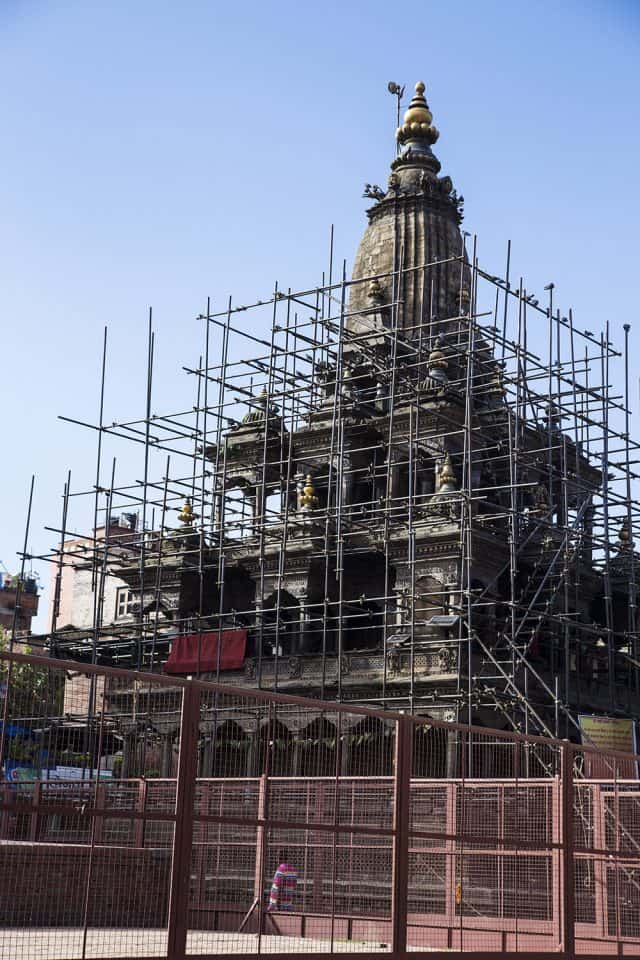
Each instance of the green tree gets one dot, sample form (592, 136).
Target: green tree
(33, 691)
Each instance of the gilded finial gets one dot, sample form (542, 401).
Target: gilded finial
(308, 498)
(437, 359)
(257, 411)
(496, 383)
(447, 479)
(417, 120)
(437, 364)
(624, 536)
(186, 515)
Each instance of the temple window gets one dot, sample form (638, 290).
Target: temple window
(124, 602)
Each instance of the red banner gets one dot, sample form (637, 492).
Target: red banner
(184, 656)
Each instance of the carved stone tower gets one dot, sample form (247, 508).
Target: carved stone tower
(408, 264)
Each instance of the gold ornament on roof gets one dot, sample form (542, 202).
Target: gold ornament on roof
(417, 120)
(186, 515)
(256, 413)
(496, 383)
(308, 499)
(437, 358)
(447, 476)
(624, 536)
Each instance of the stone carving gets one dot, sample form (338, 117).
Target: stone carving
(375, 292)
(421, 663)
(458, 202)
(373, 192)
(294, 668)
(541, 504)
(447, 659)
(394, 662)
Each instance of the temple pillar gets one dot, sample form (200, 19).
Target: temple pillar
(253, 754)
(301, 646)
(345, 755)
(256, 500)
(394, 475)
(450, 716)
(402, 602)
(166, 755)
(259, 633)
(207, 757)
(252, 500)
(296, 757)
(347, 480)
(129, 755)
(452, 743)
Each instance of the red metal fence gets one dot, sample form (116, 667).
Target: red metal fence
(145, 817)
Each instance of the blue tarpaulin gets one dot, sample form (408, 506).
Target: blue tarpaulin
(13, 731)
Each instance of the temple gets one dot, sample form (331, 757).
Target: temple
(398, 489)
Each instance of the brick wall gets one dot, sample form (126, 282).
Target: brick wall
(45, 885)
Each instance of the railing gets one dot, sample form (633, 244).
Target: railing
(456, 859)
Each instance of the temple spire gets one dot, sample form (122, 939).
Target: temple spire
(417, 127)
(420, 214)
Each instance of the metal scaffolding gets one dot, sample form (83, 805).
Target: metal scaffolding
(320, 444)
(413, 488)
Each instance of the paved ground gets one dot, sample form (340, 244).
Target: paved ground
(59, 944)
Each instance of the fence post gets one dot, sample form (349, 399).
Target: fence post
(568, 877)
(179, 889)
(141, 806)
(401, 811)
(261, 842)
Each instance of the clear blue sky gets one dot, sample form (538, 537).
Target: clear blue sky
(159, 152)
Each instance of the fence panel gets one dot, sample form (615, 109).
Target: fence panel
(607, 853)
(146, 817)
(86, 857)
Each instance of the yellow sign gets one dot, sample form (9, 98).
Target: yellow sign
(608, 734)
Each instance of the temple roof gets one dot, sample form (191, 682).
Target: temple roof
(416, 219)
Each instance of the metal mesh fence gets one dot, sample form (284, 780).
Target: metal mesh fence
(160, 818)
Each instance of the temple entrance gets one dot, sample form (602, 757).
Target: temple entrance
(363, 623)
(370, 749)
(275, 750)
(317, 749)
(280, 624)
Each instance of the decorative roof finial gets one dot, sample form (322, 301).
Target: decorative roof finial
(308, 499)
(257, 412)
(437, 365)
(495, 386)
(375, 293)
(186, 515)
(624, 536)
(437, 358)
(416, 126)
(447, 479)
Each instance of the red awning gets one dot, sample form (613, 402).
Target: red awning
(184, 651)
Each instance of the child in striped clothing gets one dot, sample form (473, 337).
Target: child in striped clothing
(283, 887)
